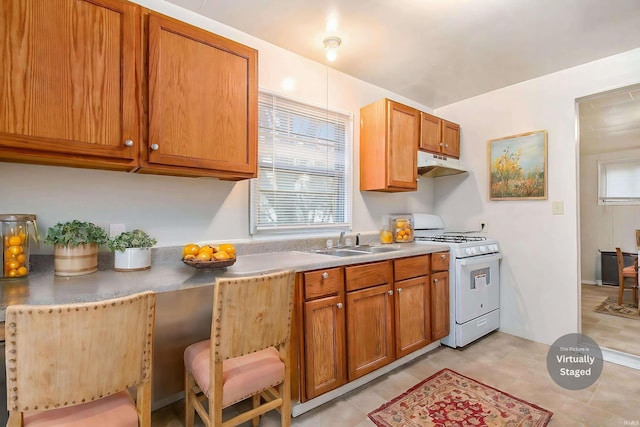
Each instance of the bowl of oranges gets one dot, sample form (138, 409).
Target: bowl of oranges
(209, 257)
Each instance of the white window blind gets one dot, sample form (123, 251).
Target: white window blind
(619, 182)
(304, 174)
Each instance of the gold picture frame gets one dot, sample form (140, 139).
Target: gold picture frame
(518, 167)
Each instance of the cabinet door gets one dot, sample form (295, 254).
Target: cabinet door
(324, 335)
(402, 149)
(369, 329)
(68, 82)
(413, 315)
(439, 305)
(430, 133)
(202, 101)
(450, 139)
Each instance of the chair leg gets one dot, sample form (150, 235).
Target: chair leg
(189, 410)
(620, 291)
(256, 403)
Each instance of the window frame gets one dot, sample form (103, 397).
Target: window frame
(262, 230)
(603, 199)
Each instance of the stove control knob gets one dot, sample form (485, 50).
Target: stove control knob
(469, 251)
(482, 249)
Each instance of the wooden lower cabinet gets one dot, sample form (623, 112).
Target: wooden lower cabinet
(370, 322)
(324, 337)
(439, 305)
(359, 318)
(412, 315)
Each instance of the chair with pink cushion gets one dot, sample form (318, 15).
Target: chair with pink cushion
(73, 364)
(248, 352)
(624, 273)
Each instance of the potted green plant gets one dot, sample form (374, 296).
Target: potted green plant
(132, 250)
(75, 247)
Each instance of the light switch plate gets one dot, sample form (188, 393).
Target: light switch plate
(557, 207)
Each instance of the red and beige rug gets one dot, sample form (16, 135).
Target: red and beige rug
(448, 399)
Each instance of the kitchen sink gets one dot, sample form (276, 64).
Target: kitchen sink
(356, 250)
(340, 252)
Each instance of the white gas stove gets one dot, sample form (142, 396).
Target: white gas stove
(474, 279)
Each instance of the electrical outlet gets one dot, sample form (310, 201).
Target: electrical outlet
(115, 229)
(483, 226)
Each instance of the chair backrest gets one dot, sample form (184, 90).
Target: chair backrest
(251, 314)
(63, 355)
(620, 258)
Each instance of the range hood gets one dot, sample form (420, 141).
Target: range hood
(434, 165)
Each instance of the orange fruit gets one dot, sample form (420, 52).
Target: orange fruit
(21, 258)
(206, 249)
(221, 255)
(203, 256)
(228, 248)
(189, 256)
(13, 273)
(191, 248)
(15, 241)
(15, 250)
(21, 271)
(12, 264)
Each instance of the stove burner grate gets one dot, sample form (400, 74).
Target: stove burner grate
(452, 238)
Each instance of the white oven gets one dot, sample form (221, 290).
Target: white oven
(474, 279)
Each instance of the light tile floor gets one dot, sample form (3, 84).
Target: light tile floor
(511, 364)
(614, 332)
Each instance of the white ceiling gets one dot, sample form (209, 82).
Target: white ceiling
(437, 52)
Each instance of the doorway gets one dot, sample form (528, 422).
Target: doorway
(609, 129)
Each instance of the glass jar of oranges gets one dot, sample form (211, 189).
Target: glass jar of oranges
(14, 231)
(402, 228)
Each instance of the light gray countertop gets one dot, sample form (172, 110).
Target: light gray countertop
(170, 274)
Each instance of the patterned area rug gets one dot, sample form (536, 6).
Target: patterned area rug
(449, 399)
(610, 306)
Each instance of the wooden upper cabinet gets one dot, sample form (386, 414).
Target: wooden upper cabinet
(202, 107)
(68, 82)
(389, 135)
(439, 136)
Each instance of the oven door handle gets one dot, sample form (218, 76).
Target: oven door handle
(481, 258)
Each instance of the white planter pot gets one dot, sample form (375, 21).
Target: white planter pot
(132, 259)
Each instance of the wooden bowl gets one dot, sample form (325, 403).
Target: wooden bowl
(209, 265)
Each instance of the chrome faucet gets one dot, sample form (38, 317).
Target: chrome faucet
(341, 239)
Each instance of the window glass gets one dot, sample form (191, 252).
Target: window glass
(304, 168)
(619, 182)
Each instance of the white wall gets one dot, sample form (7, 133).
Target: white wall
(178, 210)
(540, 269)
(603, 227)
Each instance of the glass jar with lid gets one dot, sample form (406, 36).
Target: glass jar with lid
(402, 228)
(15, 230)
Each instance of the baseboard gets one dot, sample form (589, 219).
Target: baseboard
(620, 358)
(301, 408)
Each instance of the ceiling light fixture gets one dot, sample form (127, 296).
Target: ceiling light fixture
(331, 46)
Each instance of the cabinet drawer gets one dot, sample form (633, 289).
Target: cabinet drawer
(323, 283)
(440, 261)
(406, 268)
(367, 275)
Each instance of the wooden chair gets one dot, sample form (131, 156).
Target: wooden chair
(248, 353)
(624, 273)
(72, 364)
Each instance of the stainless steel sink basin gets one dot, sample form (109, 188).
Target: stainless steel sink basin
(340, 252)
(356, 250)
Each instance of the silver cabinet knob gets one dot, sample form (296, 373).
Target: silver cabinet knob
(339, 305)
(435, 280)
(325, 275)
(128, 143)
(443, 256)
(399, 290)
(154, 147)
(390, 292)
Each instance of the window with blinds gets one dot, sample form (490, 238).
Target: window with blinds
(304, 173)
(619, 182)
